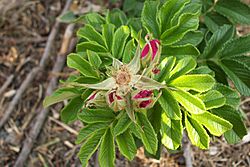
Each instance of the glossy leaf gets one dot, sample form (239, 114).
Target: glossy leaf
(196, 82)
(213, 99)
(108, 33)
(126, 145)
(122, 125)
(96, 115)
(94, 59)
(215, 125)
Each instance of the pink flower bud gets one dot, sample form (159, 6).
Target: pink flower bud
(115, 101)
(154, 44)
(144, 99)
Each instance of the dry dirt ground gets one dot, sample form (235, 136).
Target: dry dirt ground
(24, 29)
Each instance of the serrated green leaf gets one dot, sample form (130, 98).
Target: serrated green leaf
(88, 32)
(215, 125)
(154, 117)
(236, 47)
(94, 19)
(170, 9)
(149, 18)
(147, 135)
(96, 115)
(169, 105)
(108, 33)
(129, 52)
(214, 20)
(94, 59)
(190, 102)
(60, 95)
(232, 97)
(196, 133)
(192, 37)
(122, 125)
(180, 51)
(187, 22)
(203, 70)
(182, 67)
(196, 82)
(239, 74)
(126, 145)
(79, 63)
(119, 41)
(234, 10)
(89, 130)
(216, 43)
(89, 147)
(213, 99)
(92, 45)
(69, 112)
(166, 66)
(106, 155)
(116, 17)
(230, 114)
(171, 131)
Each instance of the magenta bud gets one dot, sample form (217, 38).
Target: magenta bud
(154, 45)
(144, 99)
(115, 101)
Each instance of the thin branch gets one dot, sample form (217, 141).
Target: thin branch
(187, 150)
(28, 80)
(43, 113)
(6, 84)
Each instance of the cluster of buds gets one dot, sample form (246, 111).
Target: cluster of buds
(125, 89)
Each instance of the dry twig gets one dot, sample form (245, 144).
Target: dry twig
(28, 80)
(41, 117)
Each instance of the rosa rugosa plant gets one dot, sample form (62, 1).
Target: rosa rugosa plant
(139, 85)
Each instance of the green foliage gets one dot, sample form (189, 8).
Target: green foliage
(192, 57)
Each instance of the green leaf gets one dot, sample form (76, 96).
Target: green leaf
(154, 117)
(203, 70)
(149, 18)
(94, 19)
(236, 47)
(88, 32)
(94, 59)
(214, 20)
(234, 10)
(122, 125)
(108, 33)
(68, 17)
(232, 97)
(196, 82)
(79, 63)
(170, 105)
(106, 155)
(239, 74)
(90, 146)
(180, 51)
(148, 135)
(126, 145)
(129, 52)
(92, 45)
(196, 133)
(96, 115)
(216, 43)
(187, 22)
(190, 102)
(171, 131)
(116, 17)
(192, 37)
(182, 67)
(170, 9)
(119, 41)
(60, 95)
(166, 66)
(89, 130)
(213, 99)
(230, 114)
(69, 112)
(215, 125)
